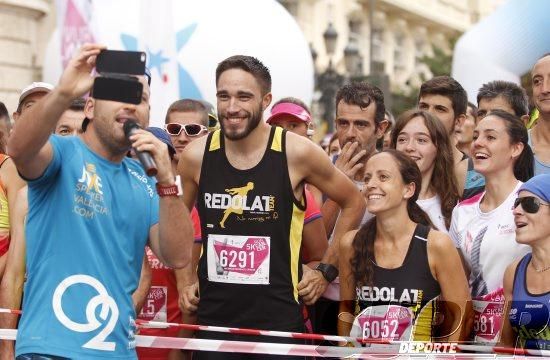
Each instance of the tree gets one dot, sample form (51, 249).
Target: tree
(439, 64)
(441, 61)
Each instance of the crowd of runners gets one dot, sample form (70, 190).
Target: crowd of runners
(433, 225)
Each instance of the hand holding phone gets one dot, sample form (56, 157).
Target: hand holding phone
(76, 80)
(121, 62)
(117, 80)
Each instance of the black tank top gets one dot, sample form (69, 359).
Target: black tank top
(411, 287)
(252, 232)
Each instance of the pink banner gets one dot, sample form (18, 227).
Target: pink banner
(75, 31)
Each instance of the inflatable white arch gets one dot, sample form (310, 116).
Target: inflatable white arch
(186, 39)
(503, 46)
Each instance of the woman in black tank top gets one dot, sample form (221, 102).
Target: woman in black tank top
(395, 266)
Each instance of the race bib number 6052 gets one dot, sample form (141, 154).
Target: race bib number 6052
(238, 259)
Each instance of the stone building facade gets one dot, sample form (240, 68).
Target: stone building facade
(25, 27)
(403, 31)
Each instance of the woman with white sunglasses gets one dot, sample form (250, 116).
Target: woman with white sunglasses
(527, 281)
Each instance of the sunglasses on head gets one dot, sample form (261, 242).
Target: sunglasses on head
(529, 204)
(189, 129)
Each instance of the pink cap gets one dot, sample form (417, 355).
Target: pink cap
(291, 109)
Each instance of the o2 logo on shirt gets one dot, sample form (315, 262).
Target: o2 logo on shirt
(108, 306)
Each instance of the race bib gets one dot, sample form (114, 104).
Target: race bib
(238, 259)
(487, 320)
(155, 305)
(383, 322)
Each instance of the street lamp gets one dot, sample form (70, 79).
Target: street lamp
(313, 53)
(328, 82)
(352, 59)
(330, 36)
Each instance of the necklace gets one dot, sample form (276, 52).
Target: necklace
(540, 270)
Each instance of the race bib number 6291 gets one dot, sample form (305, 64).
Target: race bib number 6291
(238, 259)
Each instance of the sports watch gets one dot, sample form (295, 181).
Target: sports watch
(329, 272)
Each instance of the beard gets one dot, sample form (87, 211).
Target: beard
(254, 119)
(107, 135)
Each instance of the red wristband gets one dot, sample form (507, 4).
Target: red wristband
(170, 190)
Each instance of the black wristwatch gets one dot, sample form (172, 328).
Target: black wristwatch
(329, 272)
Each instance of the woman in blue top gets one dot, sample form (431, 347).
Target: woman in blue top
(526, 281)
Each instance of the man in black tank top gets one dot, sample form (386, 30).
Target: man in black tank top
(247, 179)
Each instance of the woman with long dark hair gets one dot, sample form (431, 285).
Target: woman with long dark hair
(483, 226)
(424, 139)
(395, 265)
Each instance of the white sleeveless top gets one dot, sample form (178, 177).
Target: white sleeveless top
(432, 207)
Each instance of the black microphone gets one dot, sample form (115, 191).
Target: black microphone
(145, 158)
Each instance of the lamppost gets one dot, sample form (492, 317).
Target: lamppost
(353, 61)
(329, 81)
(376, 75)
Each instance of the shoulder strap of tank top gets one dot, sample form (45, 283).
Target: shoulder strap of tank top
(421, 232)
(277, 136)
(3, 158)
(214, 140)
(212, 144)
(519, 274)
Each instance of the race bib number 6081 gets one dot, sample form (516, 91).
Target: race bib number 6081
(238, 259)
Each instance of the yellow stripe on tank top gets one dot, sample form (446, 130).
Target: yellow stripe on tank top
(295, 238)
(423, 325)
(215, 142)
(4, 213)
(277, 143)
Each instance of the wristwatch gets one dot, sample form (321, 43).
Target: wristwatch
(170, 190)
(329, 272)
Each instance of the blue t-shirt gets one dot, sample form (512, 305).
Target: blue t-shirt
(88, 223)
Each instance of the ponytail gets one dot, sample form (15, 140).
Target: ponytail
(524, 165)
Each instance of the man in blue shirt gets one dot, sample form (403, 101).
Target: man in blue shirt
(91, 213)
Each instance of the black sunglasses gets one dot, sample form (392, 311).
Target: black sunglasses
(530, 204)
(175, 129)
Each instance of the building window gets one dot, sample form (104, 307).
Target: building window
(377, 45)
(399, 51)
(418, 51)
